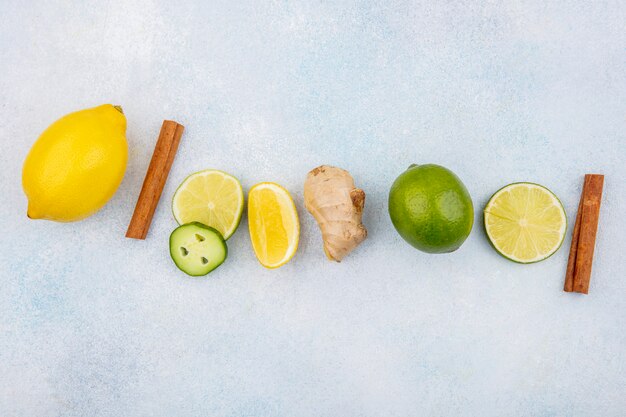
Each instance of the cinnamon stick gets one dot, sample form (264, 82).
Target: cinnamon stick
(578, 274)
(153, 183)
(573, 250)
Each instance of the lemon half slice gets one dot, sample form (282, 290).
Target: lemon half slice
(212, 198)
(273, 223)
(525, 222)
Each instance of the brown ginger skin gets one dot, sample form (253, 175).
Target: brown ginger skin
(337, 206)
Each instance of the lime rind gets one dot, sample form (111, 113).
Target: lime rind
(235, 224)
(563, 230)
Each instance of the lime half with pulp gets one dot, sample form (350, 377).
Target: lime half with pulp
(210, 197)
(525, 222)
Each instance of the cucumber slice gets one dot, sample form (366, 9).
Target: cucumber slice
(197, 249)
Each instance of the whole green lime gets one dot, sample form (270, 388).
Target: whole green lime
(431, 209)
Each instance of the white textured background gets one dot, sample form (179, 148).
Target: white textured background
(93, 324)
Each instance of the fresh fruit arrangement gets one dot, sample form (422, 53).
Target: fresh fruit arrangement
(78, 162)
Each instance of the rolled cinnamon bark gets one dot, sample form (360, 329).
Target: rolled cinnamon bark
(153, 183)
(580, 261)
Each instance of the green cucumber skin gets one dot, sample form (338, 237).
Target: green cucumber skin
(174, 243)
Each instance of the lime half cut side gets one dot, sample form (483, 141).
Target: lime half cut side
(210, 197)
(525, 222)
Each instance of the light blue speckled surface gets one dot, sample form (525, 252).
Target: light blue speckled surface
(93, 324)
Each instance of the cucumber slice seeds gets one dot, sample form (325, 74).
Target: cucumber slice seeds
(197, 249)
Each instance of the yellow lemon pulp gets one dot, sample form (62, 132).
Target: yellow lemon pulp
(273, 224)
(525, 222)
(76, 165)
(210, 197)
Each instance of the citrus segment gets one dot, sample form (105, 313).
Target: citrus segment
(273, 224)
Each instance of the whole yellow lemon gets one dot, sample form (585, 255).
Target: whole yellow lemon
(76, 165)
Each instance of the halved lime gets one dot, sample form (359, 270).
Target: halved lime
(210, 197)
(525, 222)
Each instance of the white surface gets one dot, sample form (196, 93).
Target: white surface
(94, 324)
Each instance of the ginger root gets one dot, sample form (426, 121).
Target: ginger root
(337, 205)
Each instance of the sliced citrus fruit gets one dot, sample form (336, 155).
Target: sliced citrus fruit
(525, 222)
(210, 197)
(273, 223)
